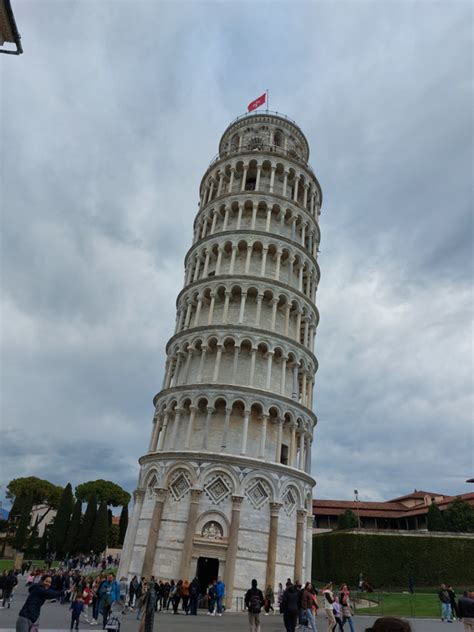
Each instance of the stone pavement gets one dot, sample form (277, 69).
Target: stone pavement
(55, 617)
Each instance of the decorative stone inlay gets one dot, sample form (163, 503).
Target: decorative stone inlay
(218, 489)
(180, 486)
(152, 483)
(258, 494)
(289, 502)
(212, 531)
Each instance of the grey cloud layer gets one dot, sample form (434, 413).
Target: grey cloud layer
(108, 122)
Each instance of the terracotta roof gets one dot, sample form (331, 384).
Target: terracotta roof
(417, 494)
(388, 509)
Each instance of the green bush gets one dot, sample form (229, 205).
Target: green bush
(386, 561)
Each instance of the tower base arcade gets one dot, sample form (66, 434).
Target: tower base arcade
(197, 516)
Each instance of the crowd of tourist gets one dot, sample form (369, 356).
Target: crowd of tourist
(99, 598)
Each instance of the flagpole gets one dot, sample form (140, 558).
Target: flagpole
(267, 100)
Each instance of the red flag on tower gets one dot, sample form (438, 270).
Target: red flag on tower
(257, 103)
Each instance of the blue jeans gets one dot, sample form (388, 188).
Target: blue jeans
(351, 625)
(311, 620)
(219, 604)
(446, 612)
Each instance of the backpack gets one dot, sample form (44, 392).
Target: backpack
(255, 603)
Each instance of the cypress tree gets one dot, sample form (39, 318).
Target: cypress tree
(61, 522)
(24, 510)
(74, 531)
(101, 526)
(434, 518)
(123, 524)
(88, 525)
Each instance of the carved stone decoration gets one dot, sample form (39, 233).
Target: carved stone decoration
(179, 486)
(289, 501)
(258, 494)
(152, 483)
(212, 531)
(218, 489)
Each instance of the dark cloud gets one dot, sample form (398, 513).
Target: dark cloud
(108, 123)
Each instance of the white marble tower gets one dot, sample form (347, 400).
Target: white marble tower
(225, 487)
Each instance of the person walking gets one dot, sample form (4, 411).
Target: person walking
(443, 596)
(328, 596)
(307, 602)
(290, 607)
(211, 598)
(9, 583)
(220, 592)
(185, 593)
(148, 609)
(452, 599)
(76, 608)
(38, 594)
(132, 592)
(194, 591)
(109, 593)
(269, 600)
(466, 611)
(280, 596)
(345, 601)
(253, 602)
(177, 596)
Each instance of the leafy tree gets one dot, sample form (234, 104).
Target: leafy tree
(109, 518)
(113, 536)
(123, 524)
(43, 492)
(32, 543)
(104, 490)
(98, 540)
(74, 531)
(22, 526)
(347, 520)
(88, 525)
(434, 518)
(61, 521)
(459, 516)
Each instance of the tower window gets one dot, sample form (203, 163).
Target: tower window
(284, 454)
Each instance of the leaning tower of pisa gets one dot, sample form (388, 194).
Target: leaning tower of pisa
(225, 487)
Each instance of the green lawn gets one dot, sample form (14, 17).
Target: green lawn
(6, 565)
(403, 604)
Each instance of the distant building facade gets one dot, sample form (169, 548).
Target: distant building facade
(406, 512)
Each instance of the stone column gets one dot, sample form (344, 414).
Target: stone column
(259, 309)
(279, 439)
(275, 300)
(269, 369)
(177, 417)
(253, 355)
(309, 547)
(235, 365)
(232, 549)
(214, 222)
(210, 412)
(269, 219)
(129, 543)
(201, 363)
(211, 308)
(249, 256)
(263, 436)
(257, 180)
(254, 216)
(148, 560)
(185, 570)
(244, 178)
(161, 441)
(243, 298)
(231, 180)
(272, 544)
(239, 215)
(284, 360)
(264, 261)
(226, 218)
(300, 524)
(218, 363)
(243, 451)
(272, 179)
(189, 434)
(226, 428)
(292, 444)
(225, 311)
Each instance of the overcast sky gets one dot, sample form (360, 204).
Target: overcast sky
(108, 122)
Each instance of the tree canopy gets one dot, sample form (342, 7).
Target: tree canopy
(434, 518)
(459, 516)
(347, 520)
(42, 491)
(106, 491)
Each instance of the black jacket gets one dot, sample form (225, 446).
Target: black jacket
(290, 600)
(254, 591)
(466, 608)
(38, 595)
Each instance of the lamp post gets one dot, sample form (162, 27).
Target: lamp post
(356, 494)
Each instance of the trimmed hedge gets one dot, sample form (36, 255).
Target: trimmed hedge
(388, 560)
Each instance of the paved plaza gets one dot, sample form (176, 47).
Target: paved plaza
(56, 617)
